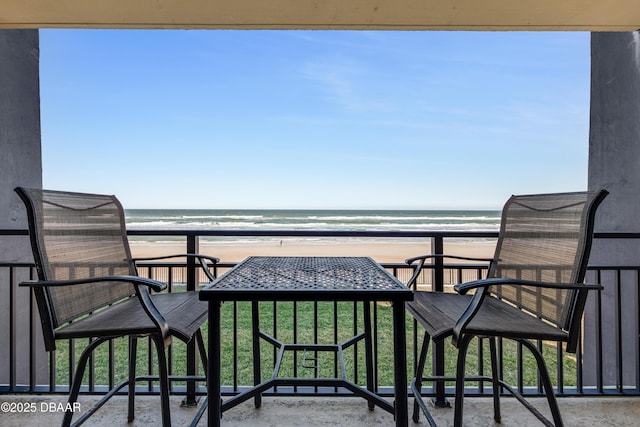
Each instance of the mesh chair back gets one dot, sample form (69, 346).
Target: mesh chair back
(545, 238)
(76, 236)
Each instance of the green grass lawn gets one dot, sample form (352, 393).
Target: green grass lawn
(309, 317)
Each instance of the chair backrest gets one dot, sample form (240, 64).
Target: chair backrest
(546, 238)
(76, 236)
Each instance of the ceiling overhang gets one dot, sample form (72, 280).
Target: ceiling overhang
(499, 15)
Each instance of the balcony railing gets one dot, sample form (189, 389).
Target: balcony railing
(26, 368)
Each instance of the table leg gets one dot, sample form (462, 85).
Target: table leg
(400, 364)
(213, 365)
(368, 349)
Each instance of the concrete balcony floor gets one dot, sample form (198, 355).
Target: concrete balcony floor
(325, 411)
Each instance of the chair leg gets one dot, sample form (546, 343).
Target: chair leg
(546, 382)
(418, 377)
(463, 345)
(133, 348)
(496, 380)
(164, 380)
(201, 350)
(204, 403)
(77, 379)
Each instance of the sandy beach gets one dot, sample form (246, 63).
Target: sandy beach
(379, 251)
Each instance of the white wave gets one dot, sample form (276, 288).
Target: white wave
(353, 226)
(400, 218)
(218, 217)
(152, 224)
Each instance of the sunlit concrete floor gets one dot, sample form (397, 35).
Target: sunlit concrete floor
(320, 411)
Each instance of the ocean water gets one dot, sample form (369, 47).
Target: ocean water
(349, 220)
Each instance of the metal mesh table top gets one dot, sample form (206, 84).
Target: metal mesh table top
(321, 278)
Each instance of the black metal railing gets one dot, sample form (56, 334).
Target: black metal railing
(26, 368)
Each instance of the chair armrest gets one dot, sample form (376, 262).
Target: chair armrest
(422, 258)
(213, 260)
(135, 280)
(202, 259)
(425, 257)
(463, 288)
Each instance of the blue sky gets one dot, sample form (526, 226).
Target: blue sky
(314, 119)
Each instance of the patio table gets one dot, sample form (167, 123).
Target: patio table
(308, 279)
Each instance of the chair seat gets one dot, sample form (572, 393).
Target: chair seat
(183, 311)
(438, 312)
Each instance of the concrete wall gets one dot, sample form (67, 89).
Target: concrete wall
(614, 163)
(20, 164)
(20, 159)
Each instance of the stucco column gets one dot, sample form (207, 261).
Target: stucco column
(20, 164)
(614, 163)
